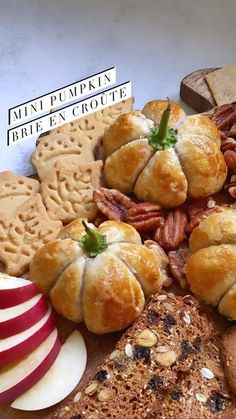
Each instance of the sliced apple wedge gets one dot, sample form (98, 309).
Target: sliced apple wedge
(15, 319)
(18, 378)
(14, 291)
(20, 345)
(60, 380)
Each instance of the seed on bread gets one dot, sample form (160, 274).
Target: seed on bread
(206, 373)
(146, 338)
(105, 394)
(166, 359)
(91, 389)
(128, 350)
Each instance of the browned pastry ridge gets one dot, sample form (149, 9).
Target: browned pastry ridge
(191, 166)
(166, 365)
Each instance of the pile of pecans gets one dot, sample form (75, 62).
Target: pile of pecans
(224, 118)
(170, 229)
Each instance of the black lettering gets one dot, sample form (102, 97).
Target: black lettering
(15, 136)
(107, 78)
(75, 111)
(62, 96)
(94, 104)
(71, 93)
(91, 86)
(17, 116)
(82, 87)
(104, 99)
(84, 106)
(24, 132)
(62, 116)
(53, 99)
(123, 92)
(39, 126)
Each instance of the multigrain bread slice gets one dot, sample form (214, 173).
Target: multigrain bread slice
(148, 365)
(203, 392)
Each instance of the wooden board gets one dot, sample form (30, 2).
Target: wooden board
(194, 91)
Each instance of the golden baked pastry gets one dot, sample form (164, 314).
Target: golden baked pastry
(99, 275)
(211, 268)
(164, 156)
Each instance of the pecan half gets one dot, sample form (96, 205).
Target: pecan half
(224, 116)
(231, 186)
(112, 203)
(172, 233)
(177, 260)
(228, 144)
(230, 160)
(145, 216)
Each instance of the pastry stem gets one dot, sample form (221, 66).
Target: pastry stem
(92, 242)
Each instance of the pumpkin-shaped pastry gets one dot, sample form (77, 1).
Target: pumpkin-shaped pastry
(211, 268)
(164, 156)
(101, 276)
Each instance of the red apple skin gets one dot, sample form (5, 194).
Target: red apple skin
(14, 296)
(25, 320)
(12, 393)
(21, 350)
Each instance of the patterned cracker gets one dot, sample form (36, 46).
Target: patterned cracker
(67, 191)
(14, 191)
(66, 147)
(22, 235)
(94, 125)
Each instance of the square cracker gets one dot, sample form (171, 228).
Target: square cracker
(66, 147)
(222, 83)
(93, 126)
(22, 235)
(14, 191)
(67, 191)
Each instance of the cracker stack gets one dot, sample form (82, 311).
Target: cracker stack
(165, 366)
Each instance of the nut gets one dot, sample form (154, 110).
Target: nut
(112, 203)
(206, 373)
(186, 318)
(105, 394)
(166, 359)
(177, 261)
(145, 216)
(162, 349)
(169, 307)
(91, 389)
(230, 160)
(146, 338)
(172, 233)
(128, 350)
(201, 397)
(77, 397)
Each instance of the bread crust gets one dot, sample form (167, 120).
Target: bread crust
(127, 127)
(194, 167)
(106, 291)
(154, 109)
(211, 271)
(123, 167)
(216, 229)
(162, 180)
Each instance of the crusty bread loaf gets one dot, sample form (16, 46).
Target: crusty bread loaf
(160, 354)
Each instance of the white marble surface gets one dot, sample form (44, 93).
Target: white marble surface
(45, 44)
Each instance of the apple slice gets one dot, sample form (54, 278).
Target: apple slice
(15, 319)
(18, 378)
(20, 345)
(14, 291)
(60, 380)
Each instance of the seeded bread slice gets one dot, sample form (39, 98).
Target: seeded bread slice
(155, 354)
(203, 392)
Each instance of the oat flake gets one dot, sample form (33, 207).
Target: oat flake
(186, 318)
(77, 397)
(201, 397)
(128, 350)
(161, 297)
(206, 373)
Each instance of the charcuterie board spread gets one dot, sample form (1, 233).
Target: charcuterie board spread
(118, 261)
